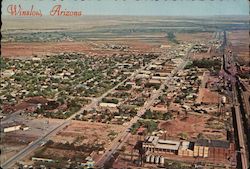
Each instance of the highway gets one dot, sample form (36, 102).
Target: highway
(37, 143)
(122, 137)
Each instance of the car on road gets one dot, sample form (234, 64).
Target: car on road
(30, 142)
(128, 130)
(43, 143)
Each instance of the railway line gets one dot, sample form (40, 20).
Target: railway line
(237, 108)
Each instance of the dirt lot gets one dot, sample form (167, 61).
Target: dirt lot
(128, 154)
(78, 141)
(8, 150)
(240, 45)
(192, 126)
(207, 96)
(89, 132)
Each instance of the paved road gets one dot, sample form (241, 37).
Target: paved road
(122, 137)
(34, 145)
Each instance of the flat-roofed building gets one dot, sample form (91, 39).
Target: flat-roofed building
(153, 81)
(162, 74)
(142, 76)
(111, 105)
(154, 144)
(219, 149)
(10, 128)
(147, 72)
(165, 46)
(154, 66)
(203, 148)
(159, 78)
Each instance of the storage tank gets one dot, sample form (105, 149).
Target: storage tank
(157, 160)
(162, 160)
(206, 152)
(152, 159)
(148, 158)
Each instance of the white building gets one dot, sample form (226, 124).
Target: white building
(154, 144)
(112, 105)
(11, 128)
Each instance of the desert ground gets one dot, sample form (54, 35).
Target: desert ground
(192, 126)
(91, 132)
(192, 37)
(240, 44)
(74, 141)
(40, 49)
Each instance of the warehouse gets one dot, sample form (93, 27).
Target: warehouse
(10, 128)
(217, 149)
(154, 144)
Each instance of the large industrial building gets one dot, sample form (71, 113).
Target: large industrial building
(200, 148)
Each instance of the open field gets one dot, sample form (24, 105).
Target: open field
(23, 50)
(240, 45)
(47, 24)
(192, 126)
(91, 133)
(78, 141)
(24, 38)
(192, 37)
(10, 149)
(31, 49)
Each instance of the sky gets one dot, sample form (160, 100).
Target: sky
(139, 7)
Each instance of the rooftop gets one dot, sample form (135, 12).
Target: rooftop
(163, 144)
(186, 145)
(213, 143)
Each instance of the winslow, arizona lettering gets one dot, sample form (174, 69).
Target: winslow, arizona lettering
(57, 10)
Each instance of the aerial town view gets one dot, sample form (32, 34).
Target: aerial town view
(125, 92)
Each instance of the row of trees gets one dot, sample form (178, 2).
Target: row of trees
(124, 87)
(150, 125)
(157, 115)
(206, 63)
(171, 37)
(107, 100)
